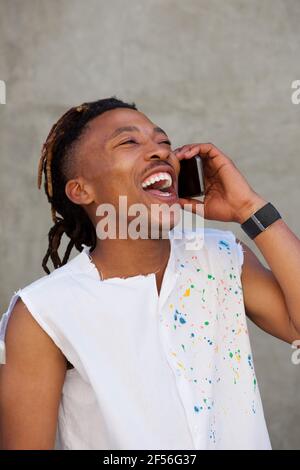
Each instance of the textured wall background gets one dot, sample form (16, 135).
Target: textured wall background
(205, 70)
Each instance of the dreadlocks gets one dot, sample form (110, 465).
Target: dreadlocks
(57, 165)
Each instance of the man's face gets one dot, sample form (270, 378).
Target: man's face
(121, 154)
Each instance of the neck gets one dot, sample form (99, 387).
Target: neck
(126, 258)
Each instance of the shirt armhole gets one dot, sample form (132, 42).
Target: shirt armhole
(5, 317)
(240, 253)
(3, 325)
(239, 250)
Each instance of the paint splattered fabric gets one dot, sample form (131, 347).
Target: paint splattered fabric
(168, 371)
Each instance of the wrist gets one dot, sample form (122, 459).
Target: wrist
(260, 219)
(250, 208)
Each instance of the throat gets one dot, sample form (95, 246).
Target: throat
(129, 258)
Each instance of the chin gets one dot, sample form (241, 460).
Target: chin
(162, 225)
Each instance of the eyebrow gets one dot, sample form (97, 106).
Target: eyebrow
(119, 130)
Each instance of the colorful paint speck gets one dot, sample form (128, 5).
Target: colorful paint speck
(210, 337)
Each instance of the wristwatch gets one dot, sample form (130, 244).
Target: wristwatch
(260, 220)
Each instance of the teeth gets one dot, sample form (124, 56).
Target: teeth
(157, 177)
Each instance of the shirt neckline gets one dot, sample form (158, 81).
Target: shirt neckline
(92, 269)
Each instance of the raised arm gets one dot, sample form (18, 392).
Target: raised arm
(272, 296)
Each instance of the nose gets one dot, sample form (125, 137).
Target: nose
(158, 152)
(164, 153)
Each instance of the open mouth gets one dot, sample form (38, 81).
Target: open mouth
(160, 184)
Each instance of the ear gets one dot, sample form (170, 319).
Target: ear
(79, 192)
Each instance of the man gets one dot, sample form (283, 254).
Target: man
(140, 343)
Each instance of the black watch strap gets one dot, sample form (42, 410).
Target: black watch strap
(260, 220)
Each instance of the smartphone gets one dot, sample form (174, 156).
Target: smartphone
(191, 178)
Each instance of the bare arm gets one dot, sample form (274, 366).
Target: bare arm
(264, 300)
(31, 382)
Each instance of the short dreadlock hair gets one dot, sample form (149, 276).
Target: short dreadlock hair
(55, 163)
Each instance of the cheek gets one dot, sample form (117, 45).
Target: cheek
(114, 178)
(108, 189)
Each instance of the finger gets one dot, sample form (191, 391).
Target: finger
(209, 150)
(185, 147)
(187, 151)
(179, 149)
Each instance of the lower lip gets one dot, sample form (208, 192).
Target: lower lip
(172, 197)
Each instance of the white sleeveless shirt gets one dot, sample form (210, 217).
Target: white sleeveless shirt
(168, 371)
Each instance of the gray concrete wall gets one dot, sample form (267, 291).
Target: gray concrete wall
(205, 70)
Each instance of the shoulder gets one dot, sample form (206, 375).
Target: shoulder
(59, 279)
(23, 331)
(44, 299)
(217, 246)
(206, 236)
(56, 275)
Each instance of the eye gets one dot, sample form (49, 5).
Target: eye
(131, 141)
